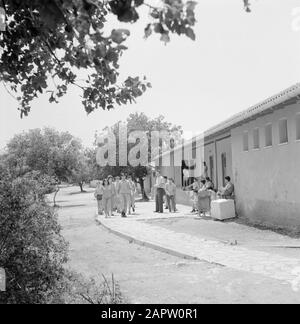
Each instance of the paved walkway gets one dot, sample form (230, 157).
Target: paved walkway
(136, 228)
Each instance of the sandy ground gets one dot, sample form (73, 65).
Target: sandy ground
(148, 276)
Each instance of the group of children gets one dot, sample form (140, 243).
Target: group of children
(116, 195)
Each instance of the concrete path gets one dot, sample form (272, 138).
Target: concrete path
(272, 265)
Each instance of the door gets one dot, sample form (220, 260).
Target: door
(224, 168)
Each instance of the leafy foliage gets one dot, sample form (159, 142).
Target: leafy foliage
(48, 151)
(47, 43)
(32, 249)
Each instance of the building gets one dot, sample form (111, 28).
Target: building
(259, 149)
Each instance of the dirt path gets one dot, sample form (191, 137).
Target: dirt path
(148, 276)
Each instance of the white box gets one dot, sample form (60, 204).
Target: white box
(222, 209)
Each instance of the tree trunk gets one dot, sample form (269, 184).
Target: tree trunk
(81, 186)
(144, 195)
(54, 198)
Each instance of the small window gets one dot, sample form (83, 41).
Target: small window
(246, 142)
(256, 142)
(298, 127)
(269, 135)
(283, 131)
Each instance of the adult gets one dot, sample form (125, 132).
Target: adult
(132, 194)
(195, 188)
(160, 192)
(99, 196)
(108, 193)
(186, 176)
(170, 195)
(124, 192)
(203, 199)
(209, 184)
(205, 171)
(118, 202)
(227, 192)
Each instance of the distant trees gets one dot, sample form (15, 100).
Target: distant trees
(60, 156)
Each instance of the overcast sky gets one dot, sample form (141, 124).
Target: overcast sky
(237, 60)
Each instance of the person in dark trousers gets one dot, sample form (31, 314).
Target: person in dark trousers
(160, 192)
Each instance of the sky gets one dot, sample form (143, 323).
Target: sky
(237, 60)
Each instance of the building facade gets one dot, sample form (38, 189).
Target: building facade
(260, 150)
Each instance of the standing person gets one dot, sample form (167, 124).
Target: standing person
(205, 171)
(99, 196)
(203, 199)
(160, 192)
(170, 195)
(118, 203)
(107, 198)
(124, 192)
(132, 194)
(113, 194)
(173, 181)
(186, 175)
(195, 187)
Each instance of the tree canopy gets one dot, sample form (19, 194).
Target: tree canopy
(47, 42)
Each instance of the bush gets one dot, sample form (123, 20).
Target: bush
(32, 250)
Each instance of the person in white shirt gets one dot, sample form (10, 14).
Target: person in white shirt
(171, 195)
(125, 192)
(160, 192)
(132, 193)
(99, 196)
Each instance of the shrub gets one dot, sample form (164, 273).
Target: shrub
(32, 250)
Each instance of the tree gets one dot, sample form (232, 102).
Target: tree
(82, 172)
(49, 152)
(47, 42)
(141, 122)
(32, 250)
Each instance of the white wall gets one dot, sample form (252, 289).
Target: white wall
(267, 180)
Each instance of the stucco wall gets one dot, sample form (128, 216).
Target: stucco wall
(267, 180)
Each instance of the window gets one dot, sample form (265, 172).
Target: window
(246, 142)
(256, 142)
(298, 127)
(268, 135)
(283, 131)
